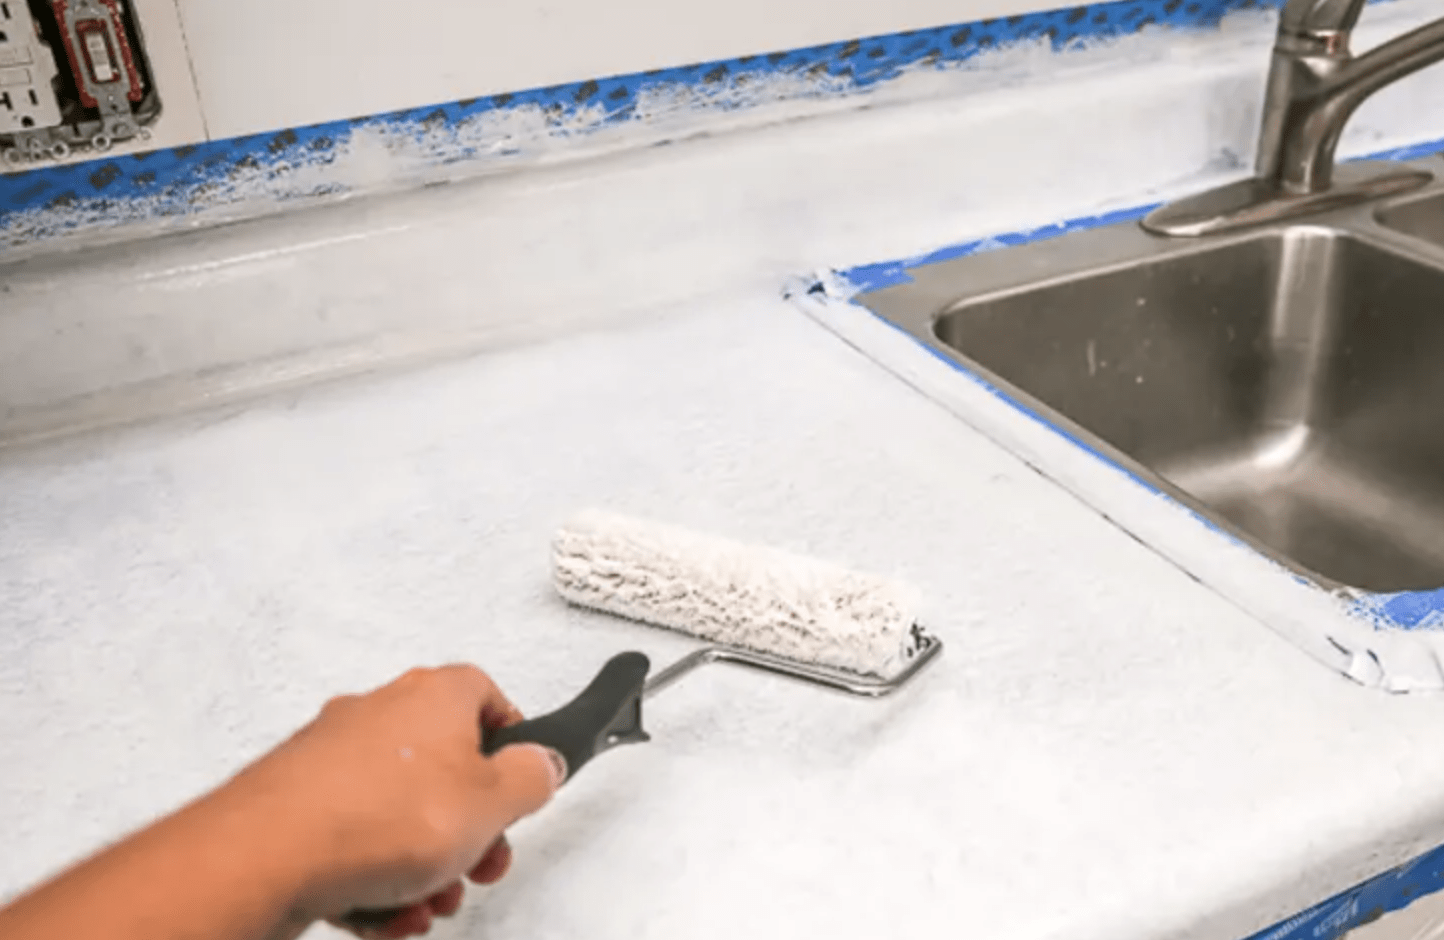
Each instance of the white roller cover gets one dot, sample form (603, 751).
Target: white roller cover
(750, 596)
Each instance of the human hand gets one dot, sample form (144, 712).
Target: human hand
(397, 801)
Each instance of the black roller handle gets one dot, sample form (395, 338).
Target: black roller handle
(607, 713)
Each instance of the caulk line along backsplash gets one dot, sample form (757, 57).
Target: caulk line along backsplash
(242, 175)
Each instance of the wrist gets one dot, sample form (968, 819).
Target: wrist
(274, 841)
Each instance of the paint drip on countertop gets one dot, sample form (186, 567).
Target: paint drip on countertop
(223, 180)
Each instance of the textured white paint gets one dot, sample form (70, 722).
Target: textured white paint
(1106, 750)
(267, 64)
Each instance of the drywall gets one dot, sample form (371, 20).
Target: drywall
(268, 64)
(181, 121)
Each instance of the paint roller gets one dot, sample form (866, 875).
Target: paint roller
(759, 607)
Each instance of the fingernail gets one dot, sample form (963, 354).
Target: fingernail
(558, 764)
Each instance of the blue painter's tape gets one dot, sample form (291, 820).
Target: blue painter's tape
(869, 277)
(1364, 904)
(1411, 152)
(1410, 610)
(292, 163)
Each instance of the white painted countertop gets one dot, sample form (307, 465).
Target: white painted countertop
(1106, 750)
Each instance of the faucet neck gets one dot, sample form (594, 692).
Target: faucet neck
(1313, 40)
(1309, 17)
(1315, 83)
(1312, 43)
(1293, 154)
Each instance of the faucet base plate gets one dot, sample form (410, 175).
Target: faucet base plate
(1251, 202)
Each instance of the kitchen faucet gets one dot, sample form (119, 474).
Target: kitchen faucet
(1315, 84)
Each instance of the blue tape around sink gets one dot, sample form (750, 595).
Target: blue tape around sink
(868, 277)
(1412, 610)
(1408, 610)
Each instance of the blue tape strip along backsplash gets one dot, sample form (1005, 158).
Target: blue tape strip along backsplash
(185, 181)
(1405, 610)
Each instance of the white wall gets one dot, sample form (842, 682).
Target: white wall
(267, 64)
(181, 121)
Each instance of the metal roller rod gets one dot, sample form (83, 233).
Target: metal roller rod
(836, 679)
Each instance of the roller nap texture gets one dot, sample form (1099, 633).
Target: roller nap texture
(759, 598)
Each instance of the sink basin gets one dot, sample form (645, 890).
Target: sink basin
(1287, 384)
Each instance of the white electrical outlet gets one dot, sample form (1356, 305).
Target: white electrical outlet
(27, 66)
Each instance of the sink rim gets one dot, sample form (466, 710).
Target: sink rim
(918, 306)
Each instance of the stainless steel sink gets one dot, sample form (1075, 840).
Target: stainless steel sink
(1420, 218)
(1286, 382)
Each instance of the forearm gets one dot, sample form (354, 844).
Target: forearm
(228, 867)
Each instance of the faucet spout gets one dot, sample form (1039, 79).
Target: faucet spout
(1332, 92)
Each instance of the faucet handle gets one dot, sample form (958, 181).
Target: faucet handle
(1308, 18)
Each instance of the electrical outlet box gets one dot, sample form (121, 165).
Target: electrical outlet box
(73, 76)
(27, 72)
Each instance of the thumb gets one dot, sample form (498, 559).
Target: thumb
(524, 778)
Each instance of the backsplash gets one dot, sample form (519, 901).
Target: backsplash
(218, 180)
